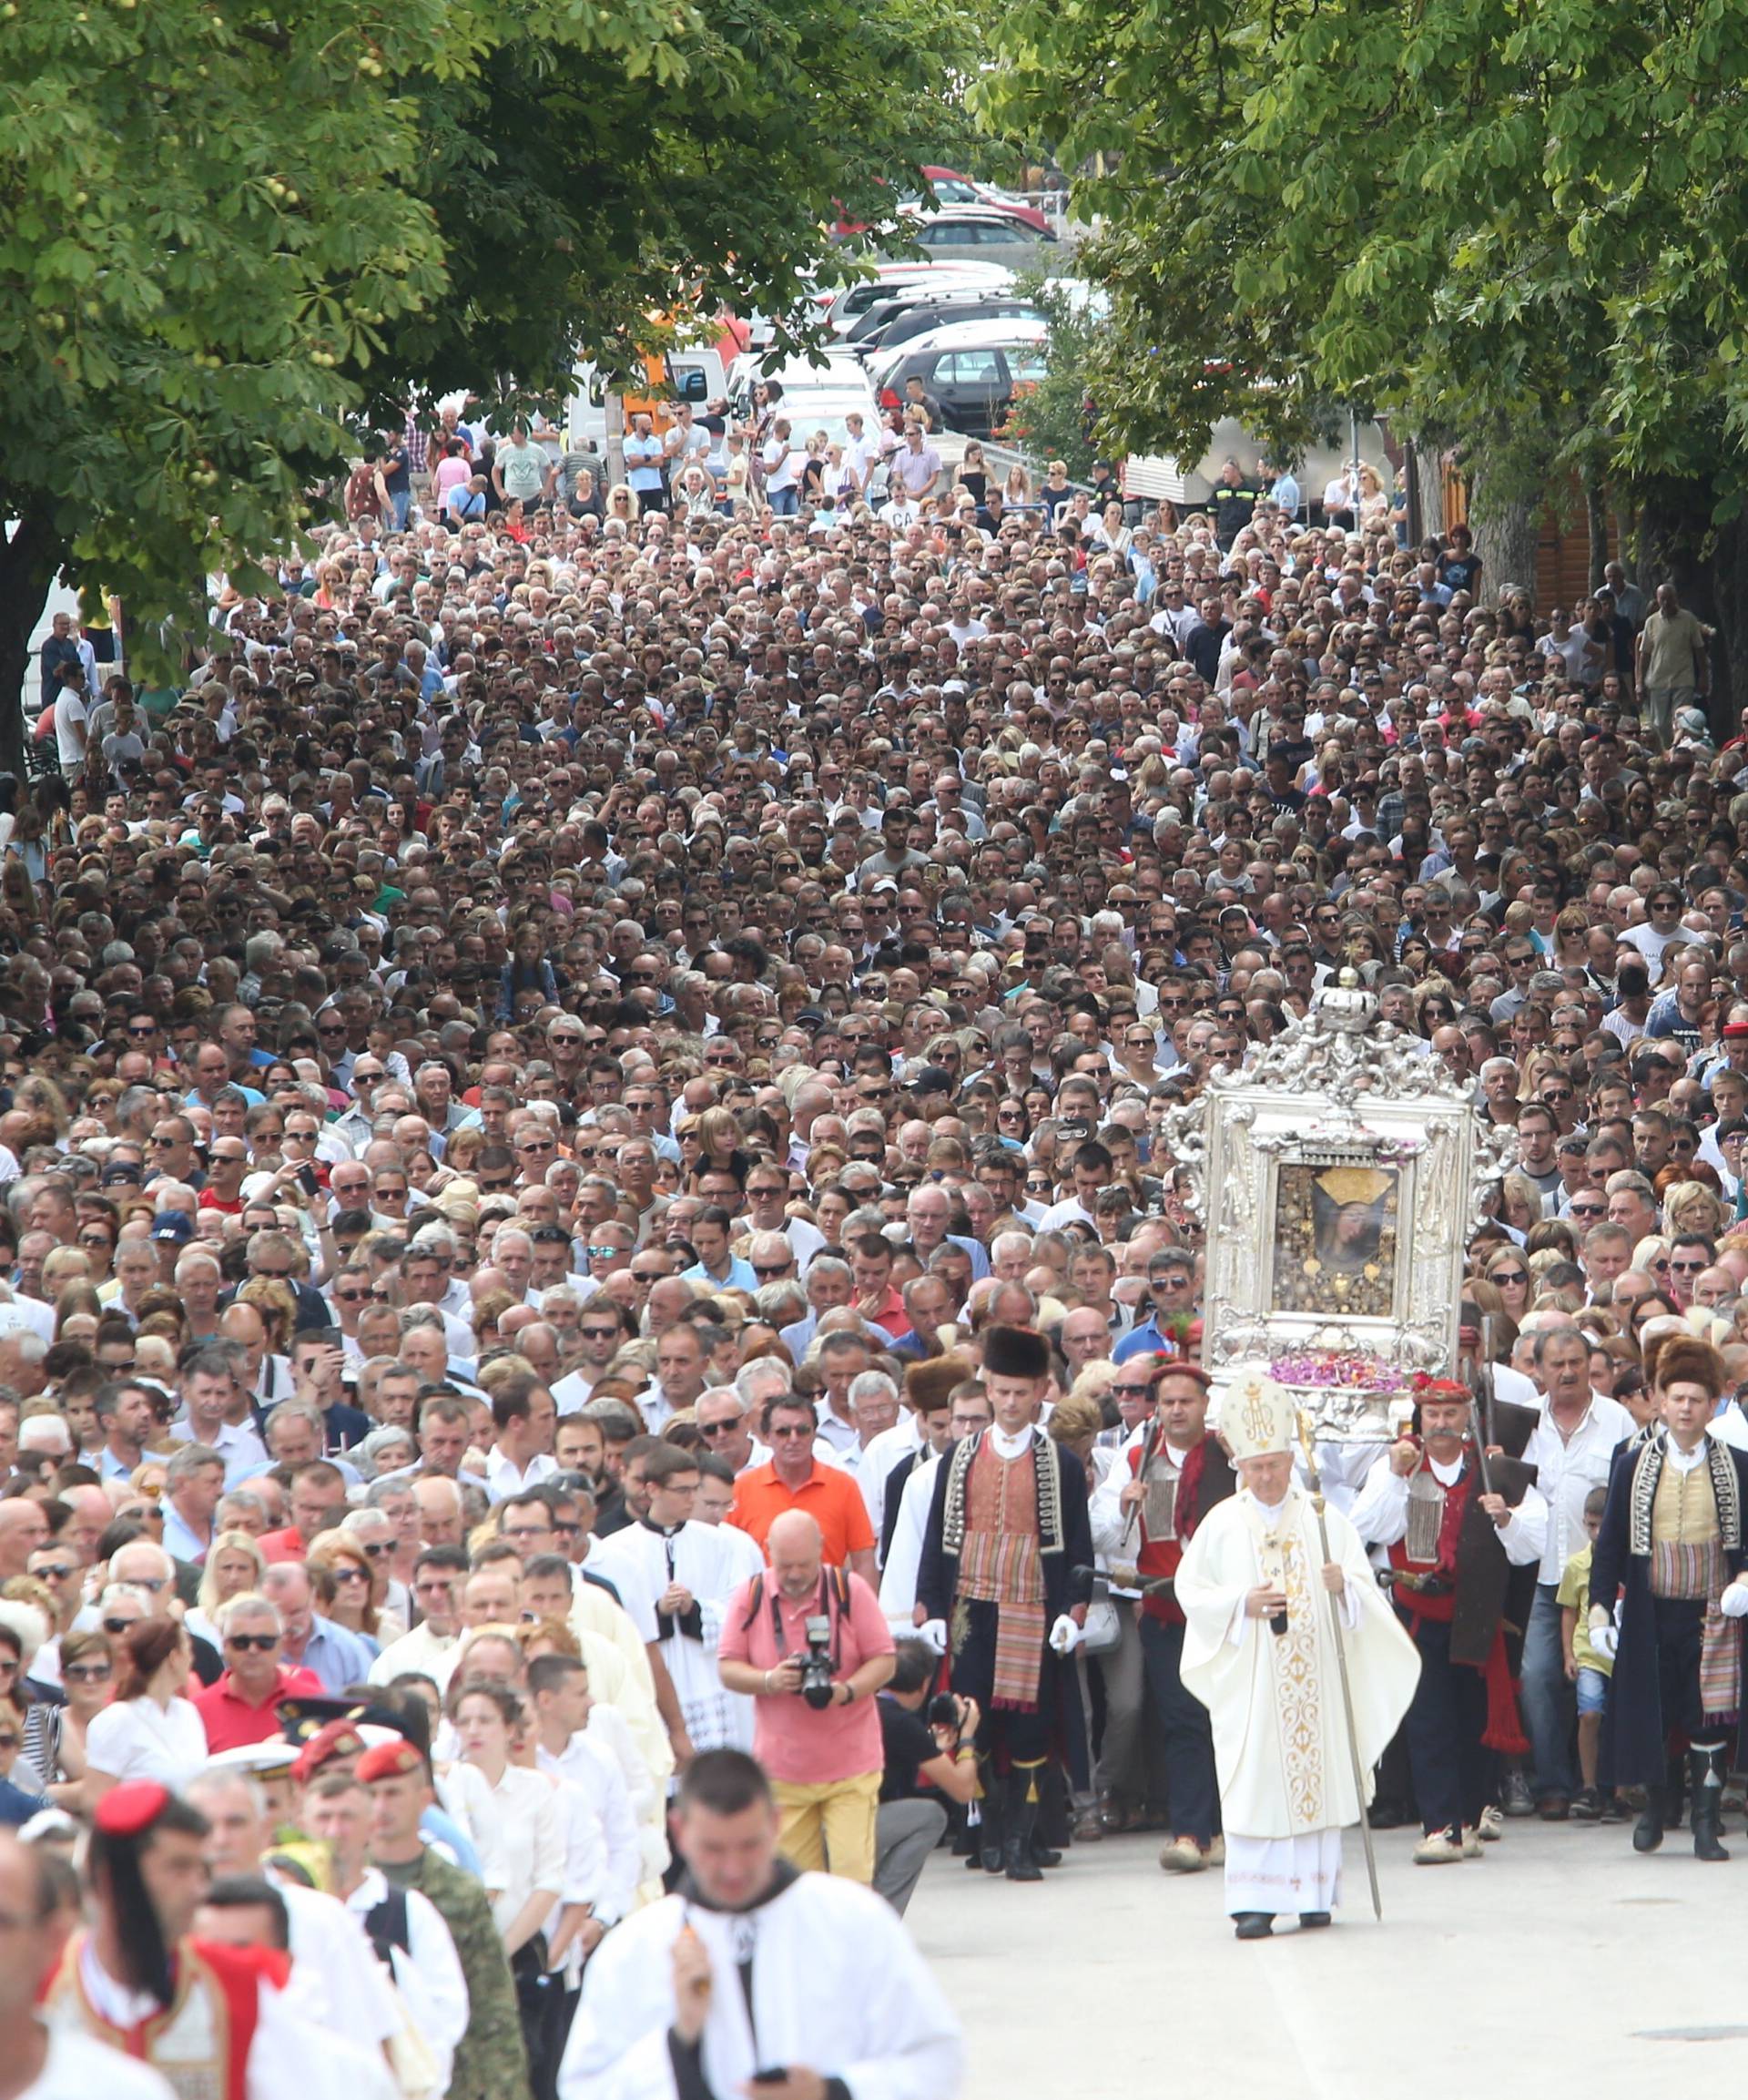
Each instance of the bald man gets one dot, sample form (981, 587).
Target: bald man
(816, 1726)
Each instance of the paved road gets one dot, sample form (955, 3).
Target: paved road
(1611, 1975)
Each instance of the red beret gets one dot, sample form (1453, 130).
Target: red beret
(337, 1739)
(389, 1761)
(130, 1808)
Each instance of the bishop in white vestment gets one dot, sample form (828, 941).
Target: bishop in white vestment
(1262, 1604)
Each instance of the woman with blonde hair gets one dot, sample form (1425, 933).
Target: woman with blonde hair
(1692, 1206)
(234, 1563)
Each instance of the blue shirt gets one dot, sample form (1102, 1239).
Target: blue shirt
(339, 1657)
(740, 1276)
(1140, 1341)
(17, 1806)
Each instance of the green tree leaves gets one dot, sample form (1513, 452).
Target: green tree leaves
(230, 228)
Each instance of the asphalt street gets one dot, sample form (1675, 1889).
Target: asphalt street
(1560, 1962)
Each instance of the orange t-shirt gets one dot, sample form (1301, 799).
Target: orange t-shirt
(829, 1495)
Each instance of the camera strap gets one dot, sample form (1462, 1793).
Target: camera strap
(828, 1594)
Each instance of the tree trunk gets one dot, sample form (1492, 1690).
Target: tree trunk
(29, 562)
(1596, 521)
(1506, 515)
(1429, 467)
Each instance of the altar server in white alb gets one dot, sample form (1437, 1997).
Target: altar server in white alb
(756, 1977)
(673, 1575)
(1262, 1606)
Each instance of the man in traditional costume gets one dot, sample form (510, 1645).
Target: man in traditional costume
(1263, 1610)
(1004, 1582)
(1455, 1526)
(1671, 1551)
(675, 1576)
(1148, 1508)
(753, 1974)
(210, 2019)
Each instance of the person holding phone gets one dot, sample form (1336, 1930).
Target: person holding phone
(754, 1976)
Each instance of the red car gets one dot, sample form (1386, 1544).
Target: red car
(952, 187)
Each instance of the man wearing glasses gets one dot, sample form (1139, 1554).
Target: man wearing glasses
(243, 1705)
(601, 1334)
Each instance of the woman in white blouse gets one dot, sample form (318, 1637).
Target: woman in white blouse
(522, 1843)
(150, 1731)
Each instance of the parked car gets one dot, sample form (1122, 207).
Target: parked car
(952, 187)
(971, 368)
(898, 320)
(979, 232)
(848, 305)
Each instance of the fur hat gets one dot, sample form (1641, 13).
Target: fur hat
(930, 1382)
(1687, 1360)
(1015, 1353)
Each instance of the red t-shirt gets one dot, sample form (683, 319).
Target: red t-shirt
(283, 1545)
(230, 1720)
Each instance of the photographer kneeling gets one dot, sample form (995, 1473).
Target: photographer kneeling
(812, 1646)
(937, 1744)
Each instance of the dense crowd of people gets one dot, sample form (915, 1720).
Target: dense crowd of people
(584, 1196)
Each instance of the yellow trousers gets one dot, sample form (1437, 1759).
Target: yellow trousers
(829, 1827)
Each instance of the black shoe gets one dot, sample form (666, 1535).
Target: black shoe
(1515, 1799)
(1705, 1770)
(1253, 1924)
(1648, 1831)
(1019, 1850)
(1309, 1921)
(1587, 1805)
(1552, 1808)
(1018, 1861)
(1615, 1810)
(1043, 1853)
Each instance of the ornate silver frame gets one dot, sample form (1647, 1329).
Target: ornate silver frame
(1340, 1106)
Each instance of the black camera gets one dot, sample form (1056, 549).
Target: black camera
(816, 1665)
(942, 1711)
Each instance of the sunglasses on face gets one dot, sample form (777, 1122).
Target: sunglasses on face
(262, 1643)
(86, 1673)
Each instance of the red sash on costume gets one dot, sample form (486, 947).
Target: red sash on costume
(1504, 1730)
(200, 2041)
(1160, 1557)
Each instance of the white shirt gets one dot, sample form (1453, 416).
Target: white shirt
(1568, 1468)
(425, 1653)
(340, 1986)
(427, 1972)
(504, 1477)
(77, 2067)
(572, 1392)
(522, 1843)
(139, 1739)
(242, 1451)
(589, 1775)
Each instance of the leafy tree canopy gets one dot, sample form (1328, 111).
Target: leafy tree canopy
(227, 227)
(1508, 225)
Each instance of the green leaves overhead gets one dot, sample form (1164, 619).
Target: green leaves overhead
(1478, 216)
(229, 229)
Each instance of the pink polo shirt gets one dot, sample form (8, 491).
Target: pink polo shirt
(790, 1738)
